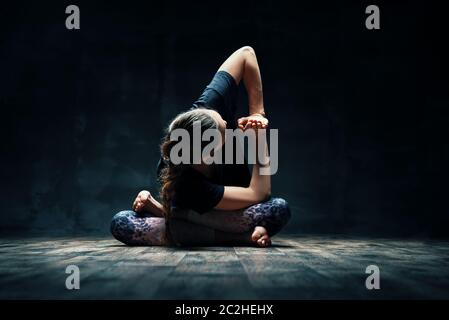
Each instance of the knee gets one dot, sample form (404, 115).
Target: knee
(122, 227)
(282, 209)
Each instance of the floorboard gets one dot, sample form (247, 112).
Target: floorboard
(296, 267)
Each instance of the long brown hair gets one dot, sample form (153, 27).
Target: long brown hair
(169, 175)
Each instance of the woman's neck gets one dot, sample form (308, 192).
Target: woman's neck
(203, 168)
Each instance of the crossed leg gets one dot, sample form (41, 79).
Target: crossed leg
(139, 229)
(273, 215)
(214, 227)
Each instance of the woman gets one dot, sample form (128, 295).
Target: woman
(210, 204)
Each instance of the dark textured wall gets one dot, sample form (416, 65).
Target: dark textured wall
(363, 115)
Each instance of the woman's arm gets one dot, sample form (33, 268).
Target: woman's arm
(242, 64)
(259, 190)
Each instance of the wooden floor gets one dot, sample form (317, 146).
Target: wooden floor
(296, 267)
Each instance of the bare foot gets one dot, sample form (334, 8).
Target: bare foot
(145, 202)
(260, 237)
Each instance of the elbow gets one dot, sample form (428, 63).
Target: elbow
(267, 195)
(263, 196)
(247, 50)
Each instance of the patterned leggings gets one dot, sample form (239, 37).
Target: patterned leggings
(133, 228)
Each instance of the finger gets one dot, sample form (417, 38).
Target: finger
(242, 120)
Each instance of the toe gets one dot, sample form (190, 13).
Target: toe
(264, 241)
(255, 236)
